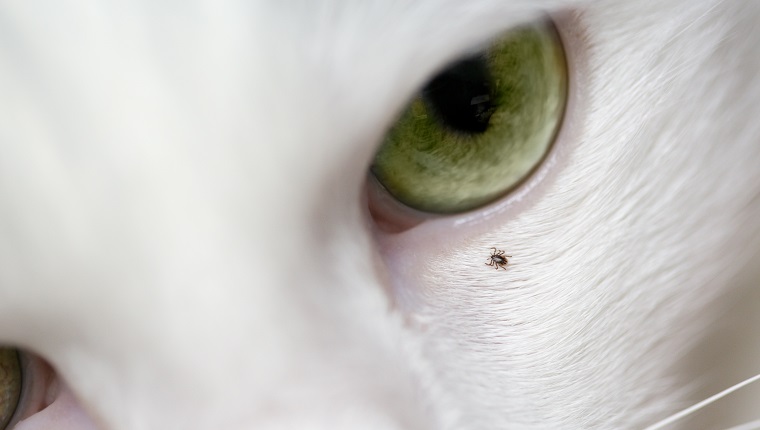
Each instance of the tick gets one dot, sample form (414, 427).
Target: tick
(498, 259)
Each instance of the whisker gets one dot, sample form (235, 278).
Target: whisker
(675, 417)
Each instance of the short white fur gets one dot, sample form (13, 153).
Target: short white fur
(183, 233)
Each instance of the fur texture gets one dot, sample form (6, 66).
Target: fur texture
(184, 233)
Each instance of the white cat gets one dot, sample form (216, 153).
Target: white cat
(184, 232)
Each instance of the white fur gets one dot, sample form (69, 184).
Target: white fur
(183, 232)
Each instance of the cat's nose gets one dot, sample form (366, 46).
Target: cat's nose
(257, 309)
(202, 270)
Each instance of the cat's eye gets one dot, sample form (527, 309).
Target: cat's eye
(10, 384)
(28, 385)
(479, 127)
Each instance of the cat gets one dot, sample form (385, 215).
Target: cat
(190, 238)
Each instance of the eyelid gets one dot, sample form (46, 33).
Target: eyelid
(388, 214)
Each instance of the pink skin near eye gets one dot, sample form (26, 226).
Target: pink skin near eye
(65, 413)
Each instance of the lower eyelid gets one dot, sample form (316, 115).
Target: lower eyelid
(64, 411)
(390, 215)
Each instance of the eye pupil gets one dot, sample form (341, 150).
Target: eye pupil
(461, 96)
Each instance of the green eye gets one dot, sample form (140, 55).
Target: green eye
(10, 384)
(480, 127)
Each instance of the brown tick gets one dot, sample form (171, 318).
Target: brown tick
(498, 259)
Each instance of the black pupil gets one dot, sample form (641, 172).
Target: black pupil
(461, 96)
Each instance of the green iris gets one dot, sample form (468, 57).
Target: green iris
(10, 384)
(480, 127)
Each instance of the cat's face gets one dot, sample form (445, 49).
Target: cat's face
(185, 234)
